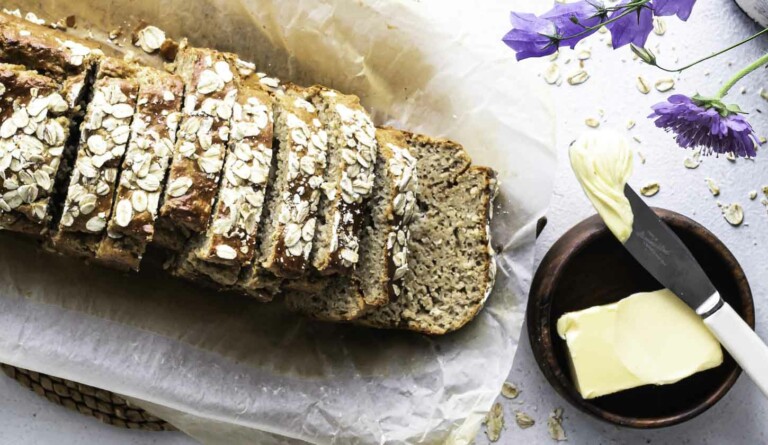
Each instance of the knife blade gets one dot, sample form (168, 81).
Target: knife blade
(663, 254)
(660, 251)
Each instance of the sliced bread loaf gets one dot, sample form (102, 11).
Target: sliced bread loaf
(153, 135)
(451, 264)
(193, 179)
(384, 244)
(103, 139)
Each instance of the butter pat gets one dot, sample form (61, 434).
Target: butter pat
(602, 162)
(650, 338)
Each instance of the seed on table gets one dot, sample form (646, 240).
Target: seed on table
(764, 93)
(494, 422)
(693, 161)
(730, 156)
(630, 124)
(753, 194)
(642, 85)
(592, 122)
(578, 78)
(713, 187)
(523, 420)
(659, 26)
(552, 74)
(584, 54)
(650, 189)
(509, 391)
(734, 214)
(664, 85)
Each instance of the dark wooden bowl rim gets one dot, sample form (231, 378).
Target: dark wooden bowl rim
(540, 323)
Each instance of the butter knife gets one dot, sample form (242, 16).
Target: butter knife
(656, 247)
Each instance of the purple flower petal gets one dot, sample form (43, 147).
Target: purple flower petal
(697, 126)
(681, 8)
(562, 15)
(632, 28)
(529, 36)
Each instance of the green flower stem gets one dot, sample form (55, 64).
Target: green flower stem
(749, 39)
(740, 75)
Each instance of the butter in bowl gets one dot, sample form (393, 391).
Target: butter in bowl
(648, 338)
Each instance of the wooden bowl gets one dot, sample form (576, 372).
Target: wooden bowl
(587, 267)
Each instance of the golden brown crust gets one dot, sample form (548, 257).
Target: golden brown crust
(44, 50)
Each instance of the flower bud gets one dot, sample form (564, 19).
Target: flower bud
(644, 54)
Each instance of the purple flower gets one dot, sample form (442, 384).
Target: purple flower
(706, 123)
(531, 36)
(632, 28)
(572, 19)
(681, 8)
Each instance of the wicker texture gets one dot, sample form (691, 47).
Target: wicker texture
(103, 405)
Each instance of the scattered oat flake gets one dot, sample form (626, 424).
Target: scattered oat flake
(584, 54)
(509, 391)
(523, 420)
(641, 156)
(764, 93)
(642, 85)
(554, 55)
(555, 425)
(592, 122)
(578, 78)
(664, 85)
(630, 125)
(552, 74)
(650, 189)
(659, 26)
(730, 156)
(694, 160)
(494, 422)
(734, 214)
(752, 194)
(713, 187)
(150, 38)
(602, 30)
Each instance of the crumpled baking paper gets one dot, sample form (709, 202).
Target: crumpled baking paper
(226, 369)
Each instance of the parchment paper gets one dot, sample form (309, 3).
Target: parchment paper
(226, 369)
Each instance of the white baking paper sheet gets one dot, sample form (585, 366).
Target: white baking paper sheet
(226, 369)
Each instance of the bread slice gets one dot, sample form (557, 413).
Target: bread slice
(293, 202)
(39, 48)
(34, 127)
(153, 135)
(211, 90)
(229, 244)
(103, 140)
(384, 244)
(451, 262)
(348, 179)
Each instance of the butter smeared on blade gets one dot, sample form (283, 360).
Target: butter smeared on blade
(646, 338)
(602, 162)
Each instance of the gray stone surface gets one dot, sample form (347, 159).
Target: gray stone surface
(736, 419)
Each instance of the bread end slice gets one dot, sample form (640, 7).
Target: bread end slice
(451, 262)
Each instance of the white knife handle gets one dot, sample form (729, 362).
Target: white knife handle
(742, 343)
